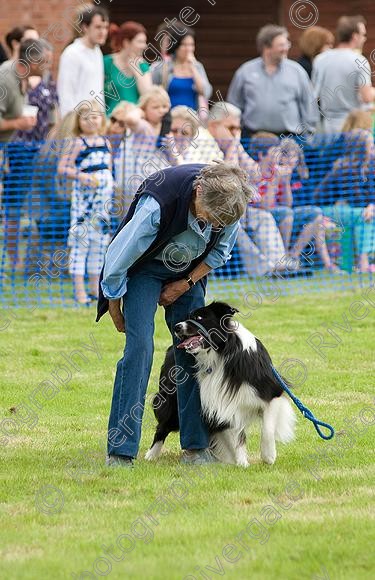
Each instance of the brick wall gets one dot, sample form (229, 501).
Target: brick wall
(53, 19)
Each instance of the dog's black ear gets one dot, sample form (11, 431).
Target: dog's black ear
(222, 309)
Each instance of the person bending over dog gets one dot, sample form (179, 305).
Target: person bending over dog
(182, 223)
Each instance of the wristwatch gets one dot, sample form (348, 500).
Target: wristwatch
(189, 281)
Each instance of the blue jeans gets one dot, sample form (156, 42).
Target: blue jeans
(133, 370)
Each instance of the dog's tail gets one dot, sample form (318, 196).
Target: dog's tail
(285, 421)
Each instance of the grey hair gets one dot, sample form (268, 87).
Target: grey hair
(219, 111)
(267, 34)
(31, 50)
(226, 191)
(186, 114)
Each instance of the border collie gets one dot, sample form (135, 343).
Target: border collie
(237, 387)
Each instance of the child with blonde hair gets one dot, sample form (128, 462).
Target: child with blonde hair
(148, 123)
(147, 117)
(88, 162)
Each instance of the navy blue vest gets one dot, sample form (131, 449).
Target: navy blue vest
(173, 189)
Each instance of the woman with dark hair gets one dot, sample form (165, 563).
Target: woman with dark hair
(183, 77)
(15, 36)
(312, 42)
(164, 37)
(126, 75)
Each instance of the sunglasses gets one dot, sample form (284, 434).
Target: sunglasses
(115, 120)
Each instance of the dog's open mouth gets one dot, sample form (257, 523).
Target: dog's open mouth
(191, 342)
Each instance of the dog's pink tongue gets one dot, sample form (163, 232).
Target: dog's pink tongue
(189, 341)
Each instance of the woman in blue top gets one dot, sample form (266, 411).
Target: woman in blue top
(183, 77)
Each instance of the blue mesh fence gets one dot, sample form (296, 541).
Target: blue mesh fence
(312, 227)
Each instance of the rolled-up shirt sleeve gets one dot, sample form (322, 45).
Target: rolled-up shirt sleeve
(129, 245)
(223, 247)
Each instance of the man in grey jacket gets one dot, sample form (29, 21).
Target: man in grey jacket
(273, 92)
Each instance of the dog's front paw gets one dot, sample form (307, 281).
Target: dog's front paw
(154, 452)
(269, 459)
(242, 458)
(150, 455)
(268, 455)
(243, 463)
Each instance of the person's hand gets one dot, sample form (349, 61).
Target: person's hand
(369, 212)
(172, 291)
(26, 123)
(191, 59)
(221, 132)
(284, 170)
(223, 136)
(88, 180)
(114, 308)
(268, 168)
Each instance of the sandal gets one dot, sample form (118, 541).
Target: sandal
(85, 302)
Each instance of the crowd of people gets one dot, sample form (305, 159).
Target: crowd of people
(74, 151)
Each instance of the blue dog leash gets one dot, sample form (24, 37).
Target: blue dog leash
(304, 410)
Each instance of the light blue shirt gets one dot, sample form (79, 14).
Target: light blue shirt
(139, 233)
(280, 102)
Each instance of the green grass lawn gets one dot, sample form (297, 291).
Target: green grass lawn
(64, 513)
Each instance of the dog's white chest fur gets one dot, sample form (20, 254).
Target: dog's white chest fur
(217, 403)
